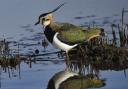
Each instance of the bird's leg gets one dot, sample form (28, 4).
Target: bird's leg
(67, 61)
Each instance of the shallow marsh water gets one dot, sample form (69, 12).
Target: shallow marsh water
(17, 24)
(38, 75)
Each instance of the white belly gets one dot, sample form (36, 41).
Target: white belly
(65, 47)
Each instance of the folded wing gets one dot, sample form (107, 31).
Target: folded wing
(72, 34)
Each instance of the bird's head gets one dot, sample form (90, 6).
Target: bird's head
(46, 18)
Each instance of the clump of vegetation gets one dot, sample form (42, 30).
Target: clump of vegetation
(100, 57)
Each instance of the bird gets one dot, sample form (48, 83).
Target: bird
(59, 78)
(65, 36)
(67, 79)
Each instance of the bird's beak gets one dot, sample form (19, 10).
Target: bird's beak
(37, 23)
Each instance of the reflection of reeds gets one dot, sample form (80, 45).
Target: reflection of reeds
(9, 64)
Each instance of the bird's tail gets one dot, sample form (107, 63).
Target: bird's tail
(88, 41)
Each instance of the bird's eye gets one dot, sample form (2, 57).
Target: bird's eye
(46, 19)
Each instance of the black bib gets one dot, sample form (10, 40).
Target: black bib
(49, 33)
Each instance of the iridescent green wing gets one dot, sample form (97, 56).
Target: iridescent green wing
(74, 34)
(92, 33)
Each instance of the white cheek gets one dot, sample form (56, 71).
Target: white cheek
(46, 23)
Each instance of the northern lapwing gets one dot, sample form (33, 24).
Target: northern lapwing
(59, 78)
(67, 79)
(65, 36)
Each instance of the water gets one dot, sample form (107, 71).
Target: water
(17, 21)
(115, 79)
(36, 77)
(15, 14)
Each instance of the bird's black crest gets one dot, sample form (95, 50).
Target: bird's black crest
(44, 14)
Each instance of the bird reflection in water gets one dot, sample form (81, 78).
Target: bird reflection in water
(71, 80)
